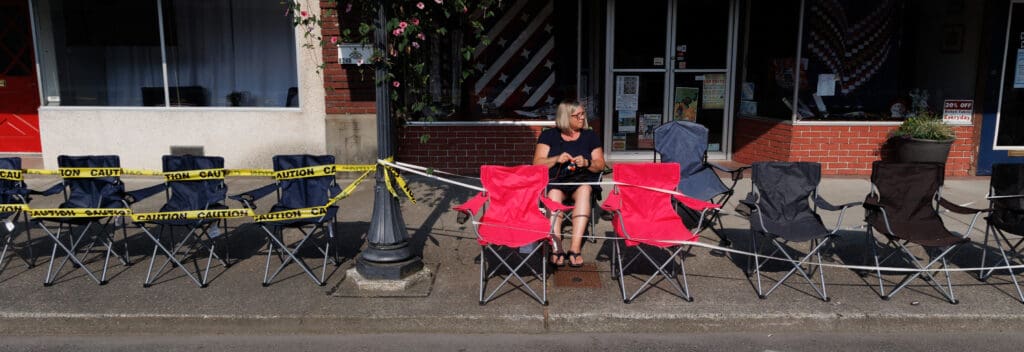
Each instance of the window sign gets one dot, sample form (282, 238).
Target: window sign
(626, 92)
(957, 111)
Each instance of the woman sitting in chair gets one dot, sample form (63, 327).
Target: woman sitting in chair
(573, 153)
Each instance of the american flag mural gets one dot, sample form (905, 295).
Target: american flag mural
(516, 71)
(853, 38)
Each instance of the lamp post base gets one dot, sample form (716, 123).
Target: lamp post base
(388, 270)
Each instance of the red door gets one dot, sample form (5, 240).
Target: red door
(19, 90)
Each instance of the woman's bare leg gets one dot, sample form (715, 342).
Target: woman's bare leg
(556, 254)
(580, 220)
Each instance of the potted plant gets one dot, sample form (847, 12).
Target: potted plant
(923, 137)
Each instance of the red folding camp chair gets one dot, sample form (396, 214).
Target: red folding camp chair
(511, 225)
(644, 216)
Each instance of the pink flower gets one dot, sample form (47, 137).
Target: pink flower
(465, 9)
(419, 5)
(416, 21)
(359, 62)
(348, 8)
(304, 13)
(439, 1)
(395, 84)
(421, 36)
(398, 31)
(334, 40)
(402, 25)
(416, 45)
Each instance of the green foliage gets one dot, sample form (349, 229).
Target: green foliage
(412, 28)
(925, 125)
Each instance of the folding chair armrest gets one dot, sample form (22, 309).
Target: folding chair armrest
(553, 205)
(695, 204)
(248, 199)
(990, 197)
(746, 206)
(737, 173)
(959, 209)
(613, 203)
(57, 188)
(824, 204)
(473, 205)
(140, 194)
(872, 204)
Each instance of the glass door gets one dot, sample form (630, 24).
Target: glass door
(1009, 133)
(669, 60)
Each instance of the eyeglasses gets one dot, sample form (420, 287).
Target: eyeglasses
(580, 115)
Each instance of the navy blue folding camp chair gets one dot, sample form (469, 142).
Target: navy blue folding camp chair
(303, 196)
(14, 197)
(686, 143)
(94, 197)
(784, 203)
(195, 193)
(903, 207)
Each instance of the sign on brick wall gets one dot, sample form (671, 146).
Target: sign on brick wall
(957, 112)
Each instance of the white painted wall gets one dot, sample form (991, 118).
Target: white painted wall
(245, 137)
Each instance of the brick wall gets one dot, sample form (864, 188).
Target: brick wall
(462, 149)
(841, 150)
(761, 140)
(350, 89)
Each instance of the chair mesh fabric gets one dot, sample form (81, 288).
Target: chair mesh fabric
(686, 143)
(906, 192)
(197, 194)
(647, 215)
(513, 217)
(100, 192)
(1008, 213)
(8, 188)
(193, 194)
(305, 192)
(784, 200)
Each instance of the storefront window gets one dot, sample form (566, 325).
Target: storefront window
(218, 53)
(527, 67)
(858, 60)
(768, 57)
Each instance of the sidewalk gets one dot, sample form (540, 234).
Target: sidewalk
(235, 302)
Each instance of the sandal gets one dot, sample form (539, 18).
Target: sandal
(573, 255)
(561, 259)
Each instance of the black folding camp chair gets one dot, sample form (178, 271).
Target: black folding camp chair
(304, 192)
(195, 193)
(14, 197)
(94, 198)
(903, 206)
(1005, 217)
(686, 143)
(783, 205)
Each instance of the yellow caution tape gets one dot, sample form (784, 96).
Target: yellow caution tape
(78, 212)
(195, 175)
(8, 208)
(13, 175)
(89, 172)
(312, 212)
(42, 172)
(193, 215)
(139, 172)
(390, 171)
(302, 213)
(251, 172)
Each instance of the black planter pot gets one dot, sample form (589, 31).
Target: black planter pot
(913, 150)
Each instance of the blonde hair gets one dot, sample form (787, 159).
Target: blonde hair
(565, 110)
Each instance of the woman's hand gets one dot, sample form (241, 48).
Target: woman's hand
(563, 158)
(580, 161)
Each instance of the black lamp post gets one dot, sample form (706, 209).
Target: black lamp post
(387, 255)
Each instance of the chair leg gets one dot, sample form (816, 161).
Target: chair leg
(1013, 276)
